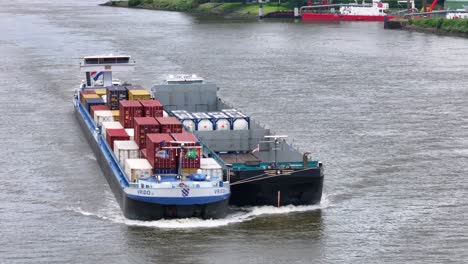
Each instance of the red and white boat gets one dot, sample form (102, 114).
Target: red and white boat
(376, 11)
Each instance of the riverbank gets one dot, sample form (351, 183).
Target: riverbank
(228, 10)
(438, 26)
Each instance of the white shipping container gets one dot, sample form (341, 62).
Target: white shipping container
(131, 133)
(125, 149)
(137, 168)
(103, 116)
(109, 125)
(210, 167)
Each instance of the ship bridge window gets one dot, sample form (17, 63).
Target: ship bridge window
(92, 61)
(108, 60)
(123, 60)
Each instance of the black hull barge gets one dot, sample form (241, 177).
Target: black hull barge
(262, 167)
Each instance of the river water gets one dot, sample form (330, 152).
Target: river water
(385, 111)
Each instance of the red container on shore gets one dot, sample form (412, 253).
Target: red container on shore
(128, 111)
(97, 108)
(188, 162)
(143, 126)
(169, 125)
(115, 134)
(158, 156)
(152, 108)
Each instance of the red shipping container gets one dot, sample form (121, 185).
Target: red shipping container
(129, 110)
(97, 108)
(152, 108)
(115, 134)
(187, 163)
(169, 125)
(155, 151)
(143, 126)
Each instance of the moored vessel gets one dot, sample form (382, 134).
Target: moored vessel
(377, 11)
(154, 168)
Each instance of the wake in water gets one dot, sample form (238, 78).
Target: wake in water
(114, 214)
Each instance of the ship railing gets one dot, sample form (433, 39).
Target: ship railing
(304, 9)
(265, 165)
(109, 154)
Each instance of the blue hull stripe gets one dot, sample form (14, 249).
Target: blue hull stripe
(179, 200)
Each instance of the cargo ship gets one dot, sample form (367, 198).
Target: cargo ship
(322, 11)
(154, 167)
(262, 167)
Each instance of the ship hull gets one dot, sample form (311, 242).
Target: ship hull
(298, 188)
(337, 17)
(140, 210)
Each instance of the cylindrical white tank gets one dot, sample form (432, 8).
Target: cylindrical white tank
(189, 124)
(205, 125)
(240, 124)
(222, 124)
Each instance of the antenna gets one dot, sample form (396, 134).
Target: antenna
(276, 139)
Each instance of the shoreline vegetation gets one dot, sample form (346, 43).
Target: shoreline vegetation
(226, 9)
(441, 26)
(438, 26)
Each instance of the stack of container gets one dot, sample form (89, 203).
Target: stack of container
(138, 95)
(130, 132)
(85, 94)
(187, 162)
(115, 134)
(94, 108)
(152, 108)
(137, 168)
(103, 116)
(109, 125)
(169, 125)
(116, 115)
(134, 87)
(143, 126)
(158, 156)
(128, 111)
(100, 92)
(125, 149)
(114, 95)
(93, 101)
